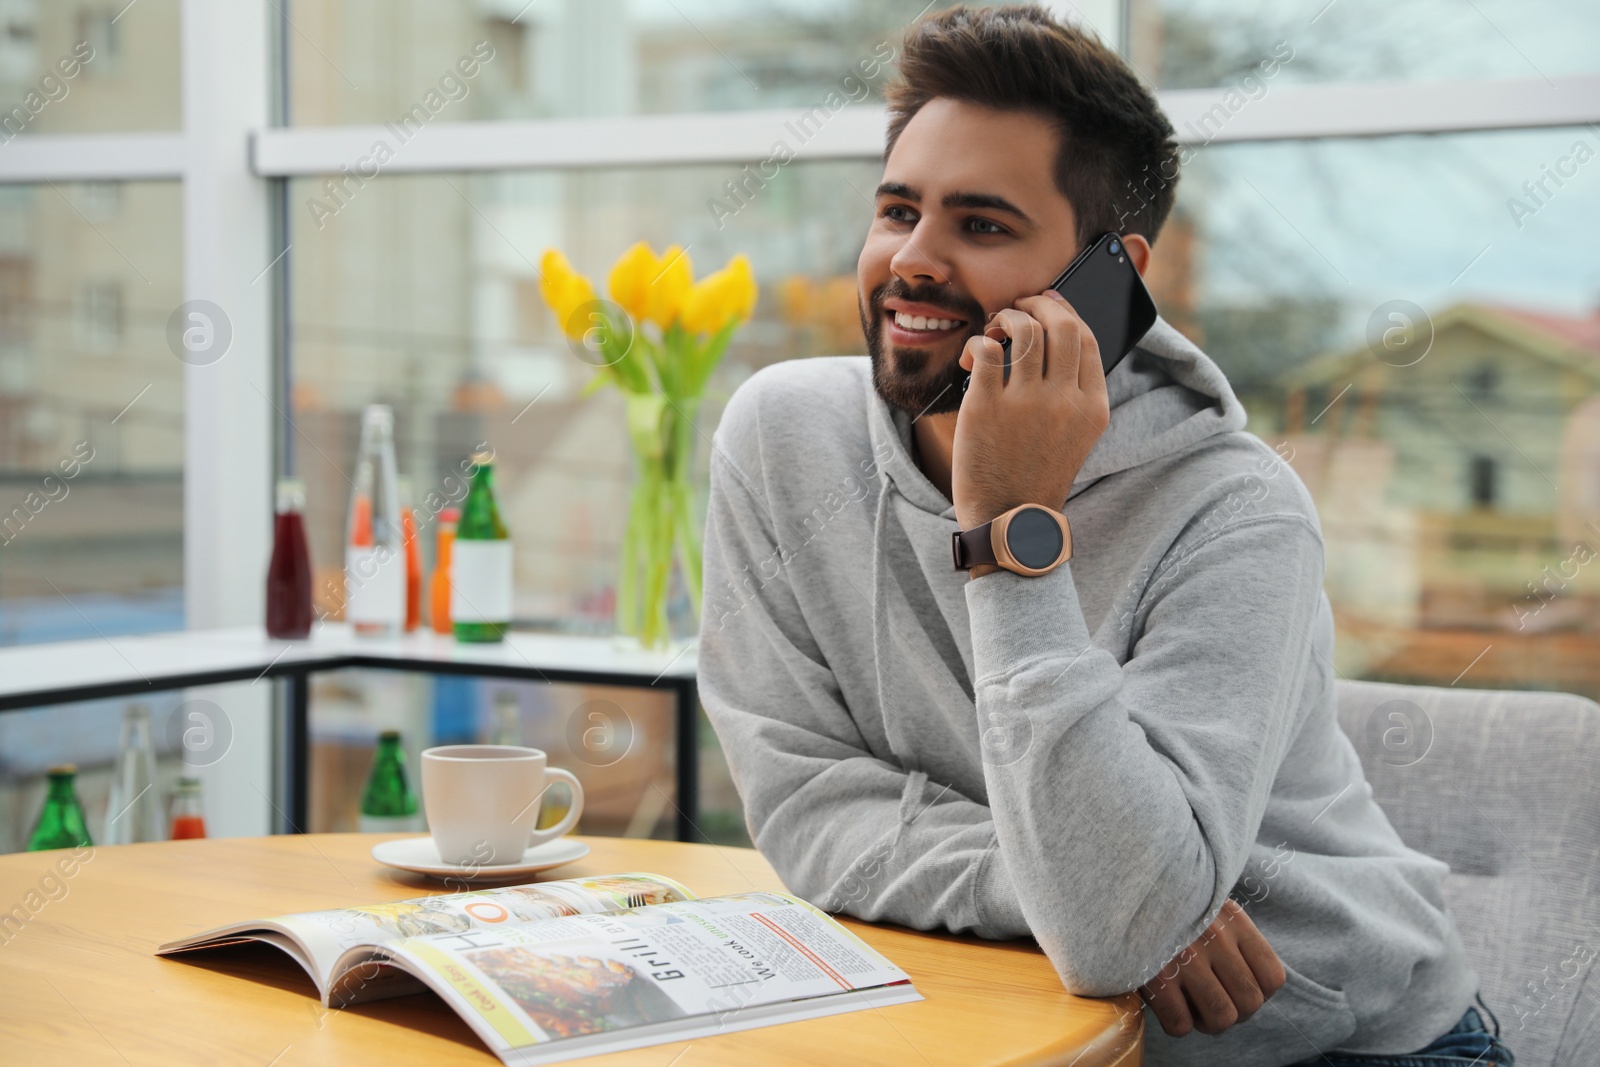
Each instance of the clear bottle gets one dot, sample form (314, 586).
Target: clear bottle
(506, 725)
(480, 562)
(133, 812)
(61, 823)
(375, 552)
(289, 573)
(388, 805)
(188, 810)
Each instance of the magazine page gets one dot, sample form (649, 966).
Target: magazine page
(322, 937)
(587, 984)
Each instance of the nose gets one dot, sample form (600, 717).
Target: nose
(919, 260)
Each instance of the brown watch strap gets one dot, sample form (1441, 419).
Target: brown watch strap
(972, 547)
(977, 546)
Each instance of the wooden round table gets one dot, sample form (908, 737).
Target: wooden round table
(80, 984)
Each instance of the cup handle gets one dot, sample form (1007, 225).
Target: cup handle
(539, 837)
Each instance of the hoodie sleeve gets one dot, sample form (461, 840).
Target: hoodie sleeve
(842, 827)
(1126, 796)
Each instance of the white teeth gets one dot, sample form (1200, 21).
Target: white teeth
(922, 322)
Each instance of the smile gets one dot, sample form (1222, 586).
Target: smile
(924, 324)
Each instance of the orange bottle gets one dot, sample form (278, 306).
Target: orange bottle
(408, 533)
(439, 587)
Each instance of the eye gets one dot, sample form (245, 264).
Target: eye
(893, 207)
(986, 222)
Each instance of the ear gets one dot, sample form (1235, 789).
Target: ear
(1138, 251)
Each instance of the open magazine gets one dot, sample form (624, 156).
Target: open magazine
(557, 970)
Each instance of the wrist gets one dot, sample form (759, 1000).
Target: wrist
(974, 516)
(980, 569)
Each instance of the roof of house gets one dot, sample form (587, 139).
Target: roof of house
(1571, 341)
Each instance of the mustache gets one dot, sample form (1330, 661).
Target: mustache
(959, 308)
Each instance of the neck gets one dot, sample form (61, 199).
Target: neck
(934, 437)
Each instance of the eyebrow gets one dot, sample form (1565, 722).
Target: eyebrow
(981, 201)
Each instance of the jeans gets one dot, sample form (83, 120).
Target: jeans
(1469, 1044)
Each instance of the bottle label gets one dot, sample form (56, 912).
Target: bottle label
(480, 581)
(389, 824)
(374, 585)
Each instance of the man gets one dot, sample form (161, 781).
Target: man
(1100, 754)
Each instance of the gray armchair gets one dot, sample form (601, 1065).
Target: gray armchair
(1504, 787)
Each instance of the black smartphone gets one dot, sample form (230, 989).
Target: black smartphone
(1105, 289)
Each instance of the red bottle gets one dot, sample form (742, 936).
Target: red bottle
(289, 574)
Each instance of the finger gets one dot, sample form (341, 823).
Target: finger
(982, 356)
(1064, 334)
(1238, 982)
(1258, 955)
(1028, 340)
(1209, 1003)
(1055, 325)
(1166, 1000)
(1252, 945)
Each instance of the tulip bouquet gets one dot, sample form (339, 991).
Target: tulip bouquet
(657, 340)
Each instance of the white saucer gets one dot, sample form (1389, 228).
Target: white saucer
(419, 855)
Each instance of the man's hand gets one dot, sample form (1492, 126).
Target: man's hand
(1023, 441)
(1221, 979)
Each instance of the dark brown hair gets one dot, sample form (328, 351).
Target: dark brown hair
(1117, 164)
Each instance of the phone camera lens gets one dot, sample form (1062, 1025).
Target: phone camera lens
(1115, 247)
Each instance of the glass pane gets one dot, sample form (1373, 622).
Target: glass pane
(1418, 329)
(89, 67)
(91, 411)
(629, 787)
(89, 735)
(380, 61)
(423, 293)
(1184, 44)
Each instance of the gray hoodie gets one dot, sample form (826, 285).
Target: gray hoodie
(1097, 757)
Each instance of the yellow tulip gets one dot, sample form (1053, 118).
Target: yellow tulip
(721, 297)
(630, 280)
(743, 285)
(565, 291)
(704, 309)
(673, 279)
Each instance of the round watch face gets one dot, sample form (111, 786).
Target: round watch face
(1034, 538)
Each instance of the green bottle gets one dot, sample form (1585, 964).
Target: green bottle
(480, 562)
(389, 805)
(61, 823)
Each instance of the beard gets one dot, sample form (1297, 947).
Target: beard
(919, 380)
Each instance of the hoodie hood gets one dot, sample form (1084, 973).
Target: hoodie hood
(1165, 396)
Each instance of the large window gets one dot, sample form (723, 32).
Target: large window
(1384, 234)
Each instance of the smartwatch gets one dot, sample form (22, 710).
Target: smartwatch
(1030, 539)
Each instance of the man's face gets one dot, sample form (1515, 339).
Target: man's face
(967, 221)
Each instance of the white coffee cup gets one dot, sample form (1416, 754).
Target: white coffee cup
(483, 801)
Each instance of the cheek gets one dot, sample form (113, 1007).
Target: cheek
(872, 267)
(878, 252)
